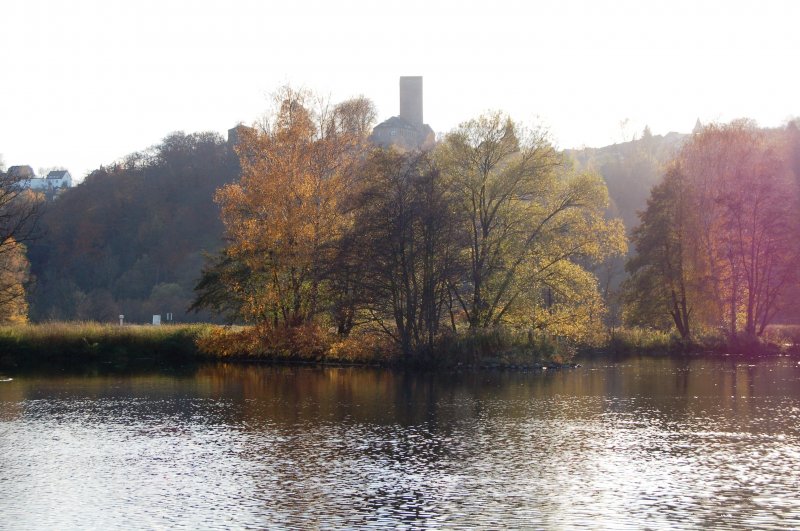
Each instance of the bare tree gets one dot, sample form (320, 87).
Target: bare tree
(404, 232)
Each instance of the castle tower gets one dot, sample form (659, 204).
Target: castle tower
(411, 99)
(406, 132)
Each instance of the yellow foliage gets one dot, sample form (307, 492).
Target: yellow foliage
(13, 275)
(283, 215)
(227, 342)
(363, 346)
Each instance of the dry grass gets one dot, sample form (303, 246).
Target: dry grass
(634, 340)
(784, 335)
(90, 341)
(76, 343)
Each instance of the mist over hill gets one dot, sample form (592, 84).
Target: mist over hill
(630, 169)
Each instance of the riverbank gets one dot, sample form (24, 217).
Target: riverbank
(69, 343)
(75, 344)
(82, 343)
(777, 339)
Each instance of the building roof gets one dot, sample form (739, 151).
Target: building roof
(57, 174)
(397, 122)
(24, 172)
(411, 136)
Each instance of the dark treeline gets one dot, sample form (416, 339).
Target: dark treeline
(130, 239)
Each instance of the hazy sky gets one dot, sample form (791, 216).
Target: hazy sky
(84, 83)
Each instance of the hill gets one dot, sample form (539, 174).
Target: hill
(131, 238)
(630, 170)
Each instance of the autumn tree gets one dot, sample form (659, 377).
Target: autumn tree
(748, 233)
(532, 225)
(354, 117)
(792, 148)
(721, 233)
(492, 229)
(283, 217)
(13, 280)
(19, 213)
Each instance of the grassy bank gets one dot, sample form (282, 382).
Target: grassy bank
(88, 342)
(76, 343)
(777, 339)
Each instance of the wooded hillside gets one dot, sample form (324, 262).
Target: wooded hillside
(131, 238)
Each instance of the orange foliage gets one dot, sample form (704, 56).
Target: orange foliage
(283, 216)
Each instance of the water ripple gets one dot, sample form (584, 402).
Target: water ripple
(639, 445)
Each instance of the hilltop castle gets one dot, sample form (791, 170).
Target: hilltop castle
(407, 131)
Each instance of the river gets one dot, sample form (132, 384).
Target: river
(640, 443)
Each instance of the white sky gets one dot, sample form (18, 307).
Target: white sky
(84, 83)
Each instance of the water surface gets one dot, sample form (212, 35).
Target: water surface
(650, 443)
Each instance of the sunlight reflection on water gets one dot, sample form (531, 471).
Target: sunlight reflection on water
(644, 443)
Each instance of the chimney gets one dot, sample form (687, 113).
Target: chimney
(411, 99)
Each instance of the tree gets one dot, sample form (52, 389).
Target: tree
(19, 213)
(532, 225)
(660, 282)
(792, 148)
(129, 227)
(405, 233)
(355, 117)
(748, 233)
(13, 279)
(719, 238)
(283, 217)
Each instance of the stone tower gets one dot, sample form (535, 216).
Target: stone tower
(406, 132)
(411, 99)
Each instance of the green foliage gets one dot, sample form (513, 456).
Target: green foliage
(662, 288)
(532, 224)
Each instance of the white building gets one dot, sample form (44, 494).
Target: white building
(59, 179)
(55, 180)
